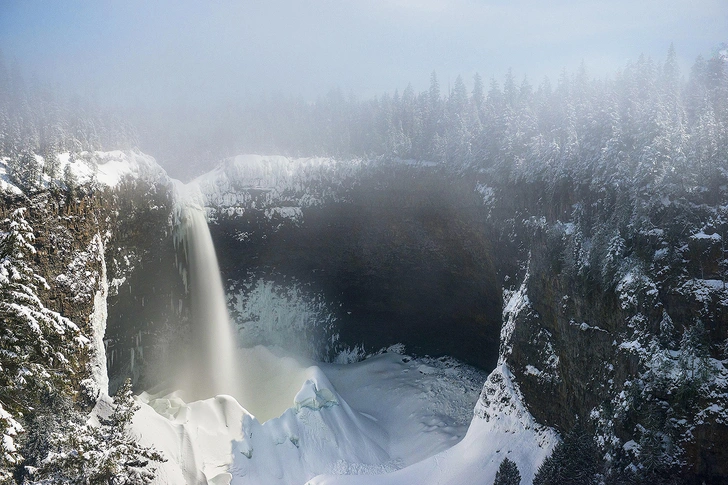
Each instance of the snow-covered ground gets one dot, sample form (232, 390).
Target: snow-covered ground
(106, 169)
(388, 419)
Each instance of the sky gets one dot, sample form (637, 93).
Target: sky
(161, 53)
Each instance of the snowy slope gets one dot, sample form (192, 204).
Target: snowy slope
(106, 169)
(501, 426)
(111, 167)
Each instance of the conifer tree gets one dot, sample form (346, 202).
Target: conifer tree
(84, 453)
(25, 171)
(573, 461)
(51, 165)
(38, 347)
(70, 180)
(507, 473)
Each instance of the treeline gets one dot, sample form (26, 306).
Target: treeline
(37, 118)
(648, 119)
(645, 115)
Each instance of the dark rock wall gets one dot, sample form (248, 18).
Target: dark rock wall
(148, 307)
(587, 340)
(412, 266)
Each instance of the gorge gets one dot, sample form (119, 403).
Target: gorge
(535, 275)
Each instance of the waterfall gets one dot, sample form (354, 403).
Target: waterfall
(210, 366)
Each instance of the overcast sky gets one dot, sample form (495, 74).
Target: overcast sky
(148, 52)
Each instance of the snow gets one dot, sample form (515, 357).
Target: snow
(6, 185)
(293, 213)
(106, 169)
(277, 178)
(533, 371)
(515, 302)
(372, 417)
(702, 235)
(631, 284)
(703, 290)
(583, 326)
(114, 166)
(501, 427)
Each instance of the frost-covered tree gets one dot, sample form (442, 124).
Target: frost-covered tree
(573, 461)
(507, 473)
(25, 170)
(70, 180)
(693, 364)
(10, 428)
(51, 165)
(38, 347)
(107, 453)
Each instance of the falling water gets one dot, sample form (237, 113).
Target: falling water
(210, 368)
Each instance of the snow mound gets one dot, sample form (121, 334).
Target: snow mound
(398, 416)
(502, 427)
(217, 441)
(312, 397)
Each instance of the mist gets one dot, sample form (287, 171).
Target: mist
(187, 75)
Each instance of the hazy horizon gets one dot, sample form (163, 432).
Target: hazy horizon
(164, 53)
(175, 68)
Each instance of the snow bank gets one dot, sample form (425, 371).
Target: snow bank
(217, 441)
(109, 168)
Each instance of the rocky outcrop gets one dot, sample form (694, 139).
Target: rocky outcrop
(626, 333)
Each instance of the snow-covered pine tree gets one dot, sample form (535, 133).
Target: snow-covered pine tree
(51, 165)
(37, 345)
(84, 453)
(573, 461)
(25, 171)
(70, 180)
(9, 455)
(507, 473)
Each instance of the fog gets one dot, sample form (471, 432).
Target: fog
(175, 69)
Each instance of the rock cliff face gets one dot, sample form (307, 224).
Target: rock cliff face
(410, 266)
(148, 302)
(623, 327)
(70, 237)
